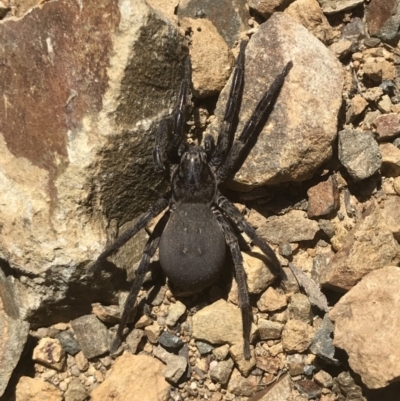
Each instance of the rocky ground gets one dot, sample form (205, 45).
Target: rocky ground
(321, 186)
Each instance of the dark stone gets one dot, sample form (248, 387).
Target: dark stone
(322, 345)
(68, 342)
(170, 341)
(92, 335)
(203, 347)
(383, 20)
(308, 387)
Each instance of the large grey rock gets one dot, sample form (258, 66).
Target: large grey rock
(302, 126)
(89, 85)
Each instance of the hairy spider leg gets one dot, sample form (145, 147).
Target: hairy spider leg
(229, 123)
(240, 274)
(252, 128)
(231, 212)
(168, 145)
(155, 209)
(148, 253)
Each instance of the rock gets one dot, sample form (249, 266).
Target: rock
(133, 340)
(75, 391)
(309, 388)
(152, 332)
(359, 153)
(221, 352)
(369, 246)
(266, 7)
(219, 323)
(296, 364)
(309, 14)
(358, 105)
(212, 60)
(322, 345)
(377, 69)
(50, 353)
(390, 160)
(68, 342)
(259, 276)
(271, 300)
(385, 104)
(245, 366)
(243, 386)
(110, 314)
(278, 229)
(29, 389)
(221, 371)
(324, 379)
(329, 7)
(14, 331)
(175, 312)
(203, 347)
(176, 365)
(341, 49)
(383, 20)
(348, 387)
(231, 23)
(170, 341)
(300, 308)
(281, 390)
(102, 94)
(92, 335)
(387, 125)
(366, 327)
(297, 336)
(354, 31)
(134, 378)
(292, 155)
(391, 214)
(323, 198)
(269, 364)
(269, 330)
(167, 7)
(81, 362)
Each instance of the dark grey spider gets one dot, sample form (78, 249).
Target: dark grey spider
(198, 225)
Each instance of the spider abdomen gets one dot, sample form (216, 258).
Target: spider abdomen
(192, 247)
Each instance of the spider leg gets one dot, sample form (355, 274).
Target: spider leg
(234, 216)
(240, 274)
(225, 137)
(252, 128)
(168, 149)
(148, 253)
(155, 209)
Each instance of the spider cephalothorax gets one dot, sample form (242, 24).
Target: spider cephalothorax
(200, 224)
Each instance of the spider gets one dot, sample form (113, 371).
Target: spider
(200, 223)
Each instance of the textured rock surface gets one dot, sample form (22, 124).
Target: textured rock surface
(323, 198)
(282, 229)
(92, 82)
(367, 323)
(359, 153)
(369, 246)
(29, 389)
(13, 332)
(297, 138)
(211, 57)
(219, 323)
(279, 391)
(135, 378)
(50, 353)
(228, 16)
(297, 336)
(92, 335)
(337, 6)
